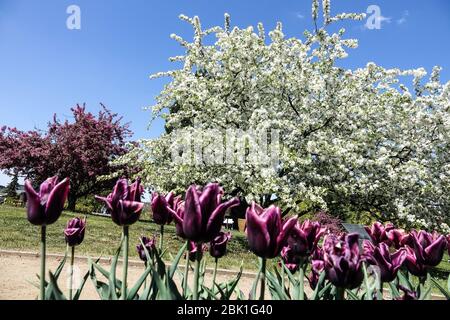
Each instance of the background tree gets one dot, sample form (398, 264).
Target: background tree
(11, 188)
(80, 150)
(351, 140)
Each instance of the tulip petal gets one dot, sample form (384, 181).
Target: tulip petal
(192, 220)
(257, 234)
(435, 251)
(56, 200)
(210, 199)
(35, 212)
(215, 221)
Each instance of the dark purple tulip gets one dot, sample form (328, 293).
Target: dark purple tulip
(290, 259)
(74, 231)
(342, 261)
(396, 237)
(408, 294)
(204, 212)
(428, 247)
(150, 245)
(378, 232)
(304, 237)
(45, 207)
(317, 266)
(193, 247)
(123, 204)
(448, 244)
(266, 232)
(178, 218)
(388, 263)
(413, 265)
(218, 246)
(162, 208)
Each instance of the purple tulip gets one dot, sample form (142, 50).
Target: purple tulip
(408, 294)
(74, 231)
(428, 247)
(204, 212)
(290, 259)
(413, 265)
(150, 245)
(448, 244)
(123, 204)
(387, 263)
(317, 266)
(378, 232)
(396, 237)
(163, 208)
(304, 237)
(45, 207)
(193, 248)
(178, 218)
(266, 232)
(342, 261)
(218, 246)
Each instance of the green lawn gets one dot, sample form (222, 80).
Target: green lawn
(102, 239)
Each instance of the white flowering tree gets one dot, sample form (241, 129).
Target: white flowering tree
(357, 140)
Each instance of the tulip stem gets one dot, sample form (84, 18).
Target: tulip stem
(301, 282)
(263, 278)
(125, 263)
(282, 274)
(161, 239)
(42, 277)
(145, 281)
(72, 256)
(198, 257)
(214, 277)
(340, 293)
(186, 271)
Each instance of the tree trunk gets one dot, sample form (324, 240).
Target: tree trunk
(71, 203)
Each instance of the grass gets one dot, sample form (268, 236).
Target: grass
(102, 238)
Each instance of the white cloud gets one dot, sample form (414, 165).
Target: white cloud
(299, 15)
(403, 18)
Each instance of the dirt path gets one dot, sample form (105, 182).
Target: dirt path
(17, 271)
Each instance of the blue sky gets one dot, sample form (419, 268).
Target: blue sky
(46, 68)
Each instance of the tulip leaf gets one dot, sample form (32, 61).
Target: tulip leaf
(133, 292)
(229, 286)
(240, 295)
(252, 294)
(275, 288)
(448, 283)
(404, 280)
(77, 294)
(106, 273)
(60, 266)
(325, 289)
(425, 294)
(352, 295)
(54, 293)
(316, 295)
(394, 291)
(176, 261)
(101, 287)
(210, 294)
(441, 288)
(112, 274)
